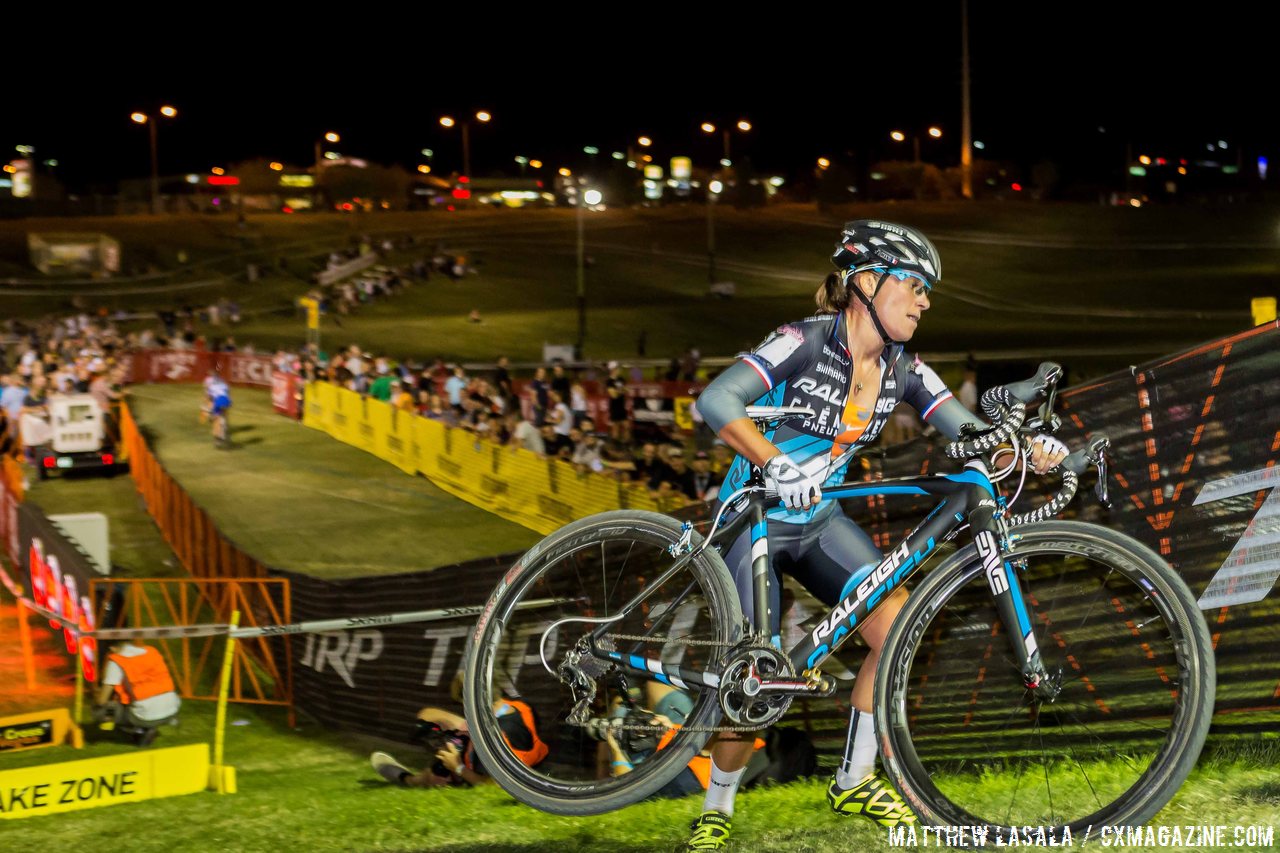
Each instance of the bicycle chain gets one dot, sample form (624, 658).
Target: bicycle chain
(686, 642)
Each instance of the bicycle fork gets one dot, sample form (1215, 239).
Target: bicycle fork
(992, 541)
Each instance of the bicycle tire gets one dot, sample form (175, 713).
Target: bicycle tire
(559, 790)
(1120, 657)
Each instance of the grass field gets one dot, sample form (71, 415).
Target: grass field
(296, 499)
(307, 789)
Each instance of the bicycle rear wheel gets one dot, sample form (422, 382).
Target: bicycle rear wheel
(965, 742)
(588, 571)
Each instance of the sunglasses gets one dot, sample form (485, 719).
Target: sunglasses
(920, 288)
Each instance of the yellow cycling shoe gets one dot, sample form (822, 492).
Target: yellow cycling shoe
(872, 798)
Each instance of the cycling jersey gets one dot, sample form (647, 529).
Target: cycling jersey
(809, 364)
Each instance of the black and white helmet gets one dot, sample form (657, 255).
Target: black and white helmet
(870, 243)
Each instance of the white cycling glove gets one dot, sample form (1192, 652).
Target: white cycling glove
(795, 488)
(1050, 447)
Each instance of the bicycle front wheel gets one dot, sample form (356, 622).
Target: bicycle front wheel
(965, 742)
(576, 581)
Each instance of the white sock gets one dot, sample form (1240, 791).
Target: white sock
(722, 790)
(859, 749)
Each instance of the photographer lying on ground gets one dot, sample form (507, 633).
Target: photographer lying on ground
(447, 737)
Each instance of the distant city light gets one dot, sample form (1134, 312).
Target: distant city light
(535, 164)
(645, 141)
(823, 163)
(332, 155)
(1144, 160)
(332, 137)
(1182, 170)
(427, 152)
(716, 187)
(648, 158)
(1101, 129)
(564, 173)
(522, 160)
(1222, 143)
(744, 125)
(708, 127)
(1262, 168)
(726, 162)
(277, 167)
(1135, 202)
(590, 149)
(424, 169)
(897, 136)
(618, 155)
(193, 179)
(935, 132)
(1137, 171)
(168, 112)
(1016, 187)
(979, 144)
(140, 118)
(51, 163)
(25, 149)
(592, 197)
(776, 181)
(1211, 146)
(218, 170)
(483, 116)
(631, 164)
(447, 121)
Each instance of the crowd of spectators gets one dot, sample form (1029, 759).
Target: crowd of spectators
(74, 355)
(549, 414)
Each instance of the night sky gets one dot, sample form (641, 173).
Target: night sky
(812, 84)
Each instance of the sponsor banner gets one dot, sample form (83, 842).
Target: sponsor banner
(92, 783)
(58, 573)
(38, 728)
(542, 494)
(194, 365)
(284, 394)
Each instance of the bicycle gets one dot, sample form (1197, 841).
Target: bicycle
(1093, 708)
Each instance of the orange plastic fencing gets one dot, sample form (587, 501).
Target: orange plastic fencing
(262, 672)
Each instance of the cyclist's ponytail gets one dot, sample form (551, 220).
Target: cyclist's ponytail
(833, 296)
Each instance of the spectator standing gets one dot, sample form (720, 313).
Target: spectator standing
(539, 389)
(559, 416)
(455, 385)
(616, 389)
(527, 435)
(706, 485)
(578, 402)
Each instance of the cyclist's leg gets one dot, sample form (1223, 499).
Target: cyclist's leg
(731, 751)
(836, 557)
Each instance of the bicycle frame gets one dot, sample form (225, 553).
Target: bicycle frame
(967, 496)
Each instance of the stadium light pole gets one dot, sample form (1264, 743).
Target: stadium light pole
(585, 198)
(330, 137)
(465, 125)
(150, 121)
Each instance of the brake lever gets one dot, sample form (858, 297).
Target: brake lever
(1101, 488)
(1095, 454)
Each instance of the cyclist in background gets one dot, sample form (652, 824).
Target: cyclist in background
(848, 364)
(218, 401)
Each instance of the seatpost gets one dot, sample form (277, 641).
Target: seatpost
(760, 564)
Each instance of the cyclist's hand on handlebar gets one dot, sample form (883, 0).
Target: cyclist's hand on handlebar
(1046, 453)
(796, 489)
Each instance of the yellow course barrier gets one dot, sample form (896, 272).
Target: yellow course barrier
(39, 728)
(541, 494)
(95, 782)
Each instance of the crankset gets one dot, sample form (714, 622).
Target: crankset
(758, 684)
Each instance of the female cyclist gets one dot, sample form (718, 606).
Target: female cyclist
(848, 364)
